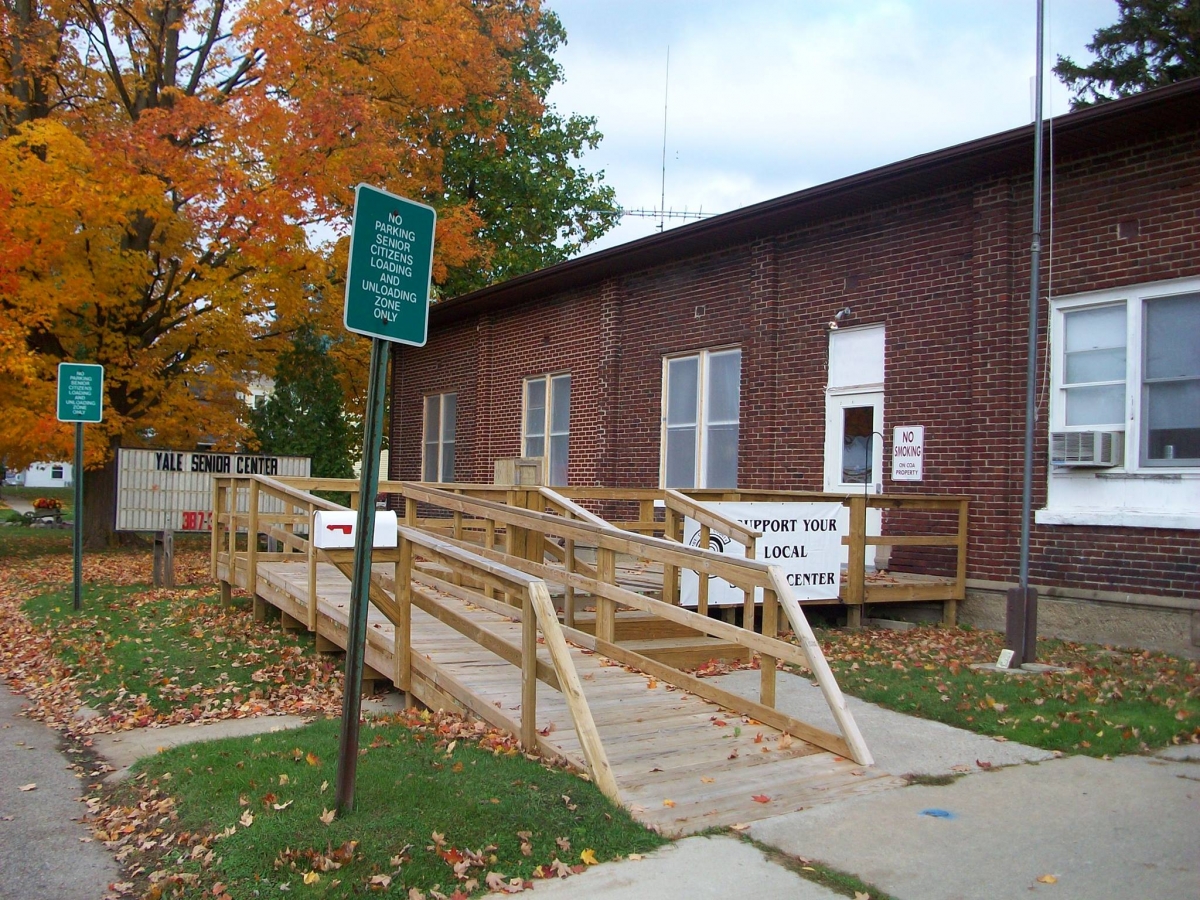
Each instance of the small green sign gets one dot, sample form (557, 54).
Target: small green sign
(80, 392)
(391, 263)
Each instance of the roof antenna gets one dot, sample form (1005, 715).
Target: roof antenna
(662, 202)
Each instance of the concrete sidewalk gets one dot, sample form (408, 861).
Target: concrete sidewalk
(45, 853)
(1121, 829)
(1090, 829)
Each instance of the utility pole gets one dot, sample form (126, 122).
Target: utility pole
(1020, 633)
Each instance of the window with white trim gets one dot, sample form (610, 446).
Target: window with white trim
(700, 419)
(1132, 363)
(546, 425)
(437, 462)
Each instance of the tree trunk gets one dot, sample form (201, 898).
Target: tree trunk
(100, 506)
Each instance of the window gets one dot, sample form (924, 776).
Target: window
(1131, 364)
(438, 458)
(1171, 382)
(701, 402)
(56, 473)
(546, 429)
(1094, 366)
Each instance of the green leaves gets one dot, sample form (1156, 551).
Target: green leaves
(305, 414)
(1155, 42)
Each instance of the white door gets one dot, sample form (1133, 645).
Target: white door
(854, 455)
(854, 442)
(854, 420)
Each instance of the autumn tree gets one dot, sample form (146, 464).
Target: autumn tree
(304, 414)
(537, 205)
(168, 166)
(1154, 42)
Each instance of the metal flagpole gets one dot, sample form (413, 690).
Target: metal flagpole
(1021, 623)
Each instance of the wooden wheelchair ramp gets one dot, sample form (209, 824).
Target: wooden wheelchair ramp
(473, 629)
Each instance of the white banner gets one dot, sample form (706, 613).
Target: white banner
(171, 490)
(803, 539)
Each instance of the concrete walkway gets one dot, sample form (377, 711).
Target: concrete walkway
(45, 853)
(1089, 829)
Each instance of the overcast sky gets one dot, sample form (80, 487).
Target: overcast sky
(767, 97)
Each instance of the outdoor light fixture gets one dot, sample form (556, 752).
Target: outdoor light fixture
(841, 315)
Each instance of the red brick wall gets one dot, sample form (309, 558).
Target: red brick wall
(946, 273)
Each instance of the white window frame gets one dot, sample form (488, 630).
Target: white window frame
(553, 383)
(1148, 494)
(703, 420)
(1134, 300)
(440, 442)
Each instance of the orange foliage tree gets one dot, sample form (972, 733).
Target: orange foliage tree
(175, 176)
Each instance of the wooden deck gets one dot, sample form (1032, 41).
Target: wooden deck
(461, 616)
(682, 763)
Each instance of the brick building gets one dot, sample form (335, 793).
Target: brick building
(777, 346)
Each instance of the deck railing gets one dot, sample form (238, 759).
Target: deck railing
(503, 556)
(395, 597)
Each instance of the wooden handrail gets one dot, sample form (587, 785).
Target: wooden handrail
(714, 520)
(820, 668)
(737, 572)
(570, 506)
(520, 574)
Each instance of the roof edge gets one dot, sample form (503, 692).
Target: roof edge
(1082, 126)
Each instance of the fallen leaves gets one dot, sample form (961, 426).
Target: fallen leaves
(28, 787)
(1047, 879)
(589, 856)
(327, 816)
(761, 798)
(251, 668)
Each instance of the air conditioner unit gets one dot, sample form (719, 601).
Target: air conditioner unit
(1095, 449)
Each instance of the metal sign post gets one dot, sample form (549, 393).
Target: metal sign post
(80, 399)
(387, 299)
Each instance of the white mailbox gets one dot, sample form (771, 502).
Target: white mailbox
(334, 529)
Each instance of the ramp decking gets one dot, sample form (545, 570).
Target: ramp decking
(461, 617)
(682, 763)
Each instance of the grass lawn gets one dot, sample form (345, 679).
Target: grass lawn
(65, 494)
(149, 655)
(441, 804)
(433, 811)
(1108, 702)
(18, 541)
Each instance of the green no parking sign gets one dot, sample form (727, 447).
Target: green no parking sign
(80, 392)
(391, 263)
(387, 299)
